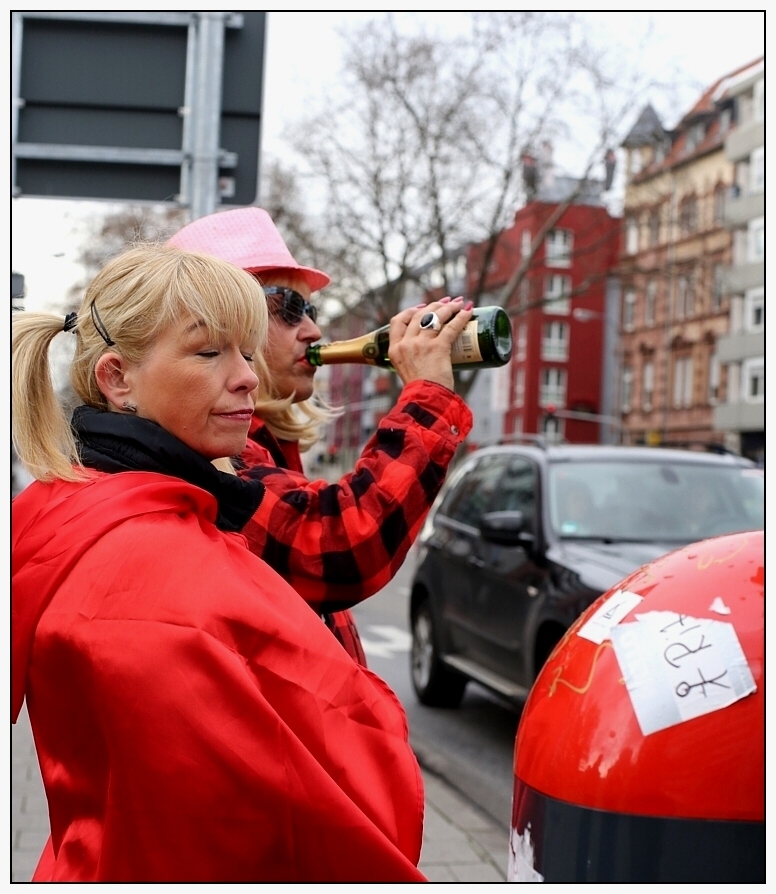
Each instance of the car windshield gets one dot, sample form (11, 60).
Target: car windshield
(653, 500)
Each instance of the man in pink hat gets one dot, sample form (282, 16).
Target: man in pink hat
(336, 543)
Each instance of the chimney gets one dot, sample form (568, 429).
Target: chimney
(546, 165)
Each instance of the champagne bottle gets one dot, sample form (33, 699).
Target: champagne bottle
(486, 341)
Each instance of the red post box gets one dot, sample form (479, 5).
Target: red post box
(640, 752)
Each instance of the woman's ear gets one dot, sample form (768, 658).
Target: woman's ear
(111, 374)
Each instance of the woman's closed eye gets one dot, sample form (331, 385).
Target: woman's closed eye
(247, 355)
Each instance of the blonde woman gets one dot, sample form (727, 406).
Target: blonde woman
(194, 720)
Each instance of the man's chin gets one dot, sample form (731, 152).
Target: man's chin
(304, 390)
(302, 394)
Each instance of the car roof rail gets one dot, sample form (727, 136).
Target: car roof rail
(707, 446)
(520, 438)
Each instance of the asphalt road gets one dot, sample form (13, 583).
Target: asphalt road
(472, 746)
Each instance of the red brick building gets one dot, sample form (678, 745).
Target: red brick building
(559, 313)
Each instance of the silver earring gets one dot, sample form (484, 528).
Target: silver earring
(130, 408)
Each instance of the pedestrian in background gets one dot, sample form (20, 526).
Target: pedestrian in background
(336, 543)
(194, 721)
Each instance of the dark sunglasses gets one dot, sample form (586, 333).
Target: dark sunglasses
(289, 305)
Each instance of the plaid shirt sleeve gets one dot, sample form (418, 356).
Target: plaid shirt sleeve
(338, 543)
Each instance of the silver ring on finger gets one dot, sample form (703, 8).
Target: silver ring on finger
(431, 321)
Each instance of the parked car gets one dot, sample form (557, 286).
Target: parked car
(522, 539)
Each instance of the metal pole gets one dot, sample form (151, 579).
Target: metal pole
(206, 112)
(16, 100)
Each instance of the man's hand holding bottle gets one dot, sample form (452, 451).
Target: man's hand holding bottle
(425, 353)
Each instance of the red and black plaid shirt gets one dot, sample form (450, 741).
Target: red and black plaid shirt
(338, 543)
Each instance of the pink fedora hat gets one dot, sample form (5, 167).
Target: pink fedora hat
(247, 238)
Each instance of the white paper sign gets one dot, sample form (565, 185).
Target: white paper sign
(677, 667)
(598, 626)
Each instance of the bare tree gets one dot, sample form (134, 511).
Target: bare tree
(424, 156)
(119, 229)
(307, 239)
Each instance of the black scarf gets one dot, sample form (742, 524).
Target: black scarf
(118, 442)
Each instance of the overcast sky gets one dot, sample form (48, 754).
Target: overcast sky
(690, 49)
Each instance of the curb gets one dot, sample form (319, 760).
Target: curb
(465, 779)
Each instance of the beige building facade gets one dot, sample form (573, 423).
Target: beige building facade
(675, 252)
(741, 414)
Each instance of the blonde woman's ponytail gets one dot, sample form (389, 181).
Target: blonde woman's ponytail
(41, 432)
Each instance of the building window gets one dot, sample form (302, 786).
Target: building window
(626, 389)
(688, 216)
(654, 227)
(757, 239)
(759, 101)
(552, 429)
(744, 109)
(522, 342)
(754, 310)
(683, 382)
(629, 310)
(740, 247)
(557, 294)
(517, 426)
(631, 236)
(647, 385)
(555, 341)
(685, 296)
(650, 299)
(713, 390)
(725, 117)
(695, 135)
(558, 247)
(635, 161)
(553, 388)
(520, 387)
(719, 204)
(525, 244)
(757, 170)
(753, 378)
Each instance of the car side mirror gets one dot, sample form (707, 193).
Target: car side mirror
(508, 528)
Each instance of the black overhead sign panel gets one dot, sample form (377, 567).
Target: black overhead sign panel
(135, 106)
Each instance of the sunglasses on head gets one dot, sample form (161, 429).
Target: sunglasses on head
(289, 305)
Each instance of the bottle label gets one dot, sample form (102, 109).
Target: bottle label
(466, 348)
(371, 350)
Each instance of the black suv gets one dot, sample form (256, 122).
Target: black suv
(522, 539)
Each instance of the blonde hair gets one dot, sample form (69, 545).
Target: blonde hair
(134, 298)
(287, 420)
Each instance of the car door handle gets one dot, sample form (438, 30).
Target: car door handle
(474, 560)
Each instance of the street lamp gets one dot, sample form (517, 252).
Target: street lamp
(610, 410)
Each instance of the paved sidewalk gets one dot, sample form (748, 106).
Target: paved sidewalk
(29, 812)
(460, 843)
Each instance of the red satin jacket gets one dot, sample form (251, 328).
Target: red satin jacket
(193, 718)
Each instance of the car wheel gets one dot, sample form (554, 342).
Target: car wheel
(435, 684)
